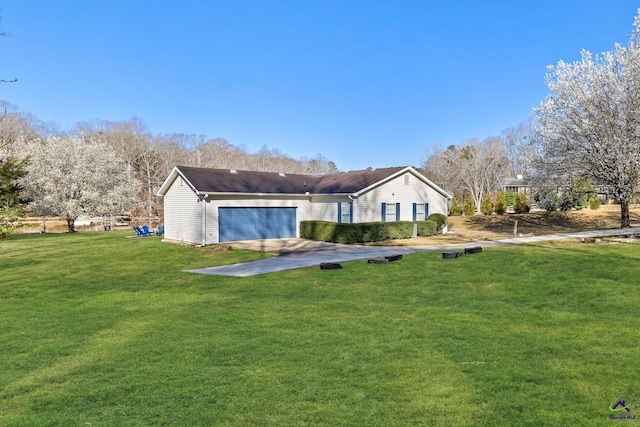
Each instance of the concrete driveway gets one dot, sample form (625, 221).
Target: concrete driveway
(300, 253)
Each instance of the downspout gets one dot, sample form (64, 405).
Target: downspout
(353, 211)
(204, 219)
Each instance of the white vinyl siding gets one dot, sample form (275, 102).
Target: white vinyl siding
(182, 214)
(324, 208)
(367, 207)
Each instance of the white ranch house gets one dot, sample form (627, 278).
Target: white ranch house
(204, 206)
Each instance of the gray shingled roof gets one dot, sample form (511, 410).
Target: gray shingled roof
(515, 182)
(206, 180)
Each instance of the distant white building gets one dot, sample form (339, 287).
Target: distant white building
(516, 185)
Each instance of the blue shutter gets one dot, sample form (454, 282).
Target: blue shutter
(339, 211)
(414, 211)
(397, 211)
(351, 213)
(426, 210)
(384, 212)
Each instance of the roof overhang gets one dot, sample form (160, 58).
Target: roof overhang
(175, 173)
(231, 194)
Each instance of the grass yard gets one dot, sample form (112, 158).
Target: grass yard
(99, 330)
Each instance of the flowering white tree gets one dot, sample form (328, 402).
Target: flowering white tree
(590, 122)
(77, 176)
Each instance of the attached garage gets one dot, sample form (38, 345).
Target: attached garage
(256, 223)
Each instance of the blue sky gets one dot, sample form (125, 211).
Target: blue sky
(365, 83)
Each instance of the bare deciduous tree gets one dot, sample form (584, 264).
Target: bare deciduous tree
(521, 147)
(476, 167)
(127, 139)
(16, 127)
(150, 171)
(436, 168)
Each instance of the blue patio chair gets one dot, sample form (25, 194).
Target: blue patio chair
(146, 231)
(160, 231)
(138, 231)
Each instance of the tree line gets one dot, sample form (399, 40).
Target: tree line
(105, 167)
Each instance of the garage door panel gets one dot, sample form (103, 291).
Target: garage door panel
(256, 223)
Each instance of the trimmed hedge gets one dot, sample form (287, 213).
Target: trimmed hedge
(427, 228)
(356, 233)
(364, 232)
(439, 219)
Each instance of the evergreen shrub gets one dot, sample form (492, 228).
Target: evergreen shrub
(355, 233)
(486, 207)
(521, 204)
(500, 206)
(427, 227)
(469, 208)
(456, 207)
(439, 219)
(547, 199)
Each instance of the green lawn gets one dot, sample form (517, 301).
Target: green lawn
(100, 330)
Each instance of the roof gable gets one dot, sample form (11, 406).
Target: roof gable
(354, 181)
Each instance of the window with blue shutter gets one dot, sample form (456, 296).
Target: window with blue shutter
(391, 212)
(345, 212)
(420, 211)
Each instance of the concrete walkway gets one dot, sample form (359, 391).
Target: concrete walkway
(299, 253)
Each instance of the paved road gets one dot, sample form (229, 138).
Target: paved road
(299, 253)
